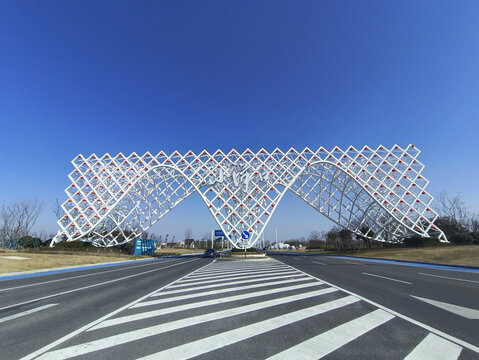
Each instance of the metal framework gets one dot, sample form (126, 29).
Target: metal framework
(375, 193)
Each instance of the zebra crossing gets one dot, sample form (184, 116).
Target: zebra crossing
(254, 309)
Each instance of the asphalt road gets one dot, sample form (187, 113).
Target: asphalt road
(281, 308)
(38, 310)
(398, 287)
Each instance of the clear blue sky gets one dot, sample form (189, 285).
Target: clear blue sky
(111, 76)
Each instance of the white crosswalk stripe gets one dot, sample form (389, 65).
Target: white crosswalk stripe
(228, 303)
(435, 347)
(216, 281)
(333, 339)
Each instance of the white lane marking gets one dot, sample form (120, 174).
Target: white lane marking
(93, 323)
(134, 335)
(435, 347)
(199, 347)
(220, 291)
(235, 275)
(463, 311)
(90, 286)
(239, 271)
(225, 281)
(11, 317)
(229, 267)
(387, 278)
(331, 340)
(450, 278)
(237, 267)
(80, 276)
(194, 288)
(199, 304)
(407, 318)
(319, 263)
(354, 263)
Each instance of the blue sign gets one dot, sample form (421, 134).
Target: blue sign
(245, 235)
(144, 247)
(219, 233)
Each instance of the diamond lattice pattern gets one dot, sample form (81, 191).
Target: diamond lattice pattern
(376, 193)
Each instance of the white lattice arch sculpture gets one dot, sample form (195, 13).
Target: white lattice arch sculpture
(376, 193)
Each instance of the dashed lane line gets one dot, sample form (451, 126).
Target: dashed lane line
(28, 312)
(387, 278)
(450, 278)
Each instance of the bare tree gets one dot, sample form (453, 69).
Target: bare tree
(17, 219)
(453, 208)
(188, 233)
(57, 209)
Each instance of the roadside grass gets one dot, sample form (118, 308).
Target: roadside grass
(34, 260)
(39, 260)
(448, 254)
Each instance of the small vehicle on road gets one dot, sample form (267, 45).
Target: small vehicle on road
(211, 253)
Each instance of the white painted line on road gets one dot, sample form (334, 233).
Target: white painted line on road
(205, 345)
(231, 267)
(220, 291)
(468, 313)
(219, 281)
(236, 271)
(90, 286)
(404, 317)
(199, 304)
(450, 278)
(168, 291)
(11, 317)
(319, 263)
(387, 278)
(238, 267)
(435, 347)
(354, 263)
(135, 335)
(235, 275)
(78, 276)
(331, 340)
(93, 323)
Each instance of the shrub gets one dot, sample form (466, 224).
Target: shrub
(418, 241)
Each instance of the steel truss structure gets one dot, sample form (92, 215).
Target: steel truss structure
(376, 193)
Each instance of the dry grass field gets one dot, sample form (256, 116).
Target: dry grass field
(16, 261)
(453, 255)
(20, 260)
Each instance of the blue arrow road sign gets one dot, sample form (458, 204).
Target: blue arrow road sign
(245, 235)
